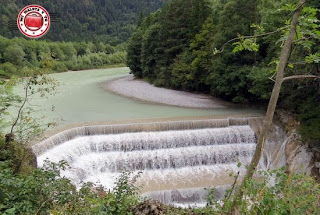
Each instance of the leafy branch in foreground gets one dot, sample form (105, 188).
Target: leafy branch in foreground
(45, 191)
(246, 42)
(36, 84)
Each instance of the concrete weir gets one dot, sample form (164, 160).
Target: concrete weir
(177, 159)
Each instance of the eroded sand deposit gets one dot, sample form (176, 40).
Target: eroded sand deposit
(138, 89)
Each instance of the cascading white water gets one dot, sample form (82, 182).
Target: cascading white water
(186, 197)
(176, 164)
(137, 127)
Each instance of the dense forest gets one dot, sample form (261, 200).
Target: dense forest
(19, 54)
(82, 20)
(185, 46)
(84, 34)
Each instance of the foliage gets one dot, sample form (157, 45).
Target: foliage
(123, 197)
(14, 54)
(162, 36)
(45, 191)
(173, 47)
(281, 193)
(7, 98)
(23, 127)
(106, 21)
(275, 192)
(19, 53)
(32, 193)
(232, 54)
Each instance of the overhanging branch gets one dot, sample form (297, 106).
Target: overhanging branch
(249, 37)
(300, 77)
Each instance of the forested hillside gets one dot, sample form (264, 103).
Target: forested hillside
(185, 46)
(84, 34)
(19, 56)
(108, 21)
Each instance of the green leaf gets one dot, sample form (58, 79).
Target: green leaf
(10, 211)
(247, 44)
(313, 58)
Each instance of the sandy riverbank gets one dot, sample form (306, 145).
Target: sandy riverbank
(141, 90)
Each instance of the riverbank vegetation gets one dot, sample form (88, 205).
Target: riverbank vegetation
(19, 55)
(188, 51)
(27, 190)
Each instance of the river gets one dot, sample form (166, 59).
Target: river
(178, 156)
(81, 100)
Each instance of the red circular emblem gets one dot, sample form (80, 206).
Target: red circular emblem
(33, 21)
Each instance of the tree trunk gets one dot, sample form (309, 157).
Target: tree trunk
(272, 103)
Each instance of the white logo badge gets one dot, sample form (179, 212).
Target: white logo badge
(33, 21)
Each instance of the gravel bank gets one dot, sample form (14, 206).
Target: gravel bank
(138, 89)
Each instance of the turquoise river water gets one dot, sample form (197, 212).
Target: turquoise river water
(81, 99)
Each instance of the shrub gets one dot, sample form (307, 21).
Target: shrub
(14, 54)
(44, 191)
(95, 60)
(9, 69)
(277, 192)
(59, 67)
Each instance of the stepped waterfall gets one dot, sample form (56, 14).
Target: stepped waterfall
(177, 160)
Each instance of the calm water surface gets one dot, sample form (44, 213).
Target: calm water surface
(81, 99)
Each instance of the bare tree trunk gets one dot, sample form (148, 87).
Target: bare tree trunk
(272, 103)
(10, 136)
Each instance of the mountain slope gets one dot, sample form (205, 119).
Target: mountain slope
(110, 21)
